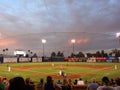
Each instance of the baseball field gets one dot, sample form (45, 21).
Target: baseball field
(73, 70)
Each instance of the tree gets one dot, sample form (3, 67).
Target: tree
(89, 55)
(80, 54)
(30, 53)
(103, 54)
(72, 55)
(27, 55)
(53, 54)
(34, 55)
(6, 49)
(116, 52)
(3, 51)
(60, 54)
(98, 54)
(28, 50)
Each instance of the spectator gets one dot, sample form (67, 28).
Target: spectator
(50, 85)
(106, 84)
(65, 85)
(29, 85)
(2, 86)
(40, 85)
(17, 83)
(112, 82)
(93, 85)
(117, 81)
(75, 82)
(80, 82)
(59, 82)
(70, 83)
(86, 82)
(5, 82)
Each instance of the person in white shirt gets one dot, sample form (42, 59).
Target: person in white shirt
(80, 82)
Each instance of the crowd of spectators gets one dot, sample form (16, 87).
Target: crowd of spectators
(19, 83)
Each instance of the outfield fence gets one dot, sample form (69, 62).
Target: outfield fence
(57, 59)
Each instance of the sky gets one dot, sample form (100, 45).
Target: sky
(92, 23)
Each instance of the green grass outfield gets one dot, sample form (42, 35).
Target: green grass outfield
(41, 69)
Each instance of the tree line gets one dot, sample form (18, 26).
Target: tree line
(100, 53)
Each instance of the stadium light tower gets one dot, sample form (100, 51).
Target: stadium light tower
(43, 42)
(118, 36)
(73, 42)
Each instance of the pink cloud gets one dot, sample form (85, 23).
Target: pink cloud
(82, 40)
(7, 42)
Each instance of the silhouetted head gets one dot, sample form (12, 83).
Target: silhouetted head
(17, 83)
(105, 80)
(117, 80)
(49, 79)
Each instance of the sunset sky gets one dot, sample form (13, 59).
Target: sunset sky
(92, 23)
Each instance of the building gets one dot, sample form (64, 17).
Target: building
(19, 53)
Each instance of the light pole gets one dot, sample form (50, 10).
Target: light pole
(43, 42)
(73, 42)
(118, 36)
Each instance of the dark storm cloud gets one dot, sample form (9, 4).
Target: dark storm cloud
(93, 23)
